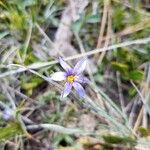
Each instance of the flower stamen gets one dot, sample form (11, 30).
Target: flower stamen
(70, 78)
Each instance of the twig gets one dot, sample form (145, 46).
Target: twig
(103, 23)
(108, 34)
(40, 65)
(138, 120)
(129, 30)
(141, 96)
(146, 93)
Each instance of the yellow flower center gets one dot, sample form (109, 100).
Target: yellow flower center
(70, 78)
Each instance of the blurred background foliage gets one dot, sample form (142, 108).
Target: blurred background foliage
(18, 19)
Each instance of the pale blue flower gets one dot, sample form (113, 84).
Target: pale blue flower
(72, 76)
(7, 114)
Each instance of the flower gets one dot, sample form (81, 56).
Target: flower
(7, 114)
(72, 76)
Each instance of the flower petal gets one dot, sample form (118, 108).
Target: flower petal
(65, 66)
(80, 66)
(67, 90)
(80, 90)
(58, 76)
(81, 79)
